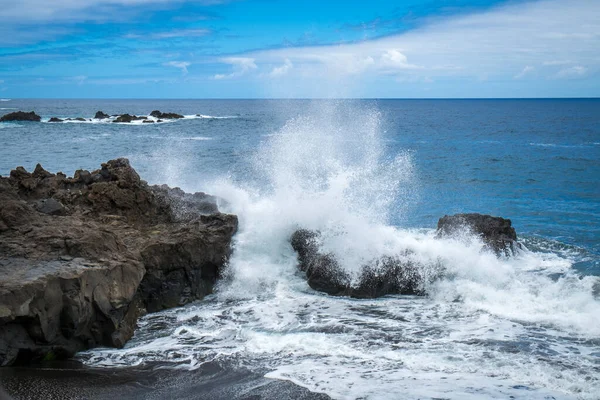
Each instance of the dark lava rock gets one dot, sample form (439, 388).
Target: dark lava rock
(80, 119)
(398, 274)
(54, 119)
(82, 258)
(147, 121)
(101, 115)
(496, 232)
(158, 114)
(126, 118)
(21, 116)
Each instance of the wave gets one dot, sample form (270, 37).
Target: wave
(490, 327)
(5, 99)
(7, 108)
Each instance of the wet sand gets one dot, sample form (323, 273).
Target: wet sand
(72, 381)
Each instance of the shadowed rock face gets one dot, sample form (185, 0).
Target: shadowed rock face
(21, 116)
(101, 115)
(82, 258)
(158, 114)
(496, 232)
(397, 274)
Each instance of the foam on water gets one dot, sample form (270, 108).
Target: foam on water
(491, 327)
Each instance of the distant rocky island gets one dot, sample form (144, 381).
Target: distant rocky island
(155, 116)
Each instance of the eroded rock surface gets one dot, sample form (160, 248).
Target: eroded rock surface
(21, 116)
(398, 274)
(82, 258)
(496, 232)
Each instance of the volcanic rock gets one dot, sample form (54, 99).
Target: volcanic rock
(158, 114)
(82, 258)
(497, 233)
(54, 119)
(127, 118)
(21, 116)
(398, 274)
(101, 115)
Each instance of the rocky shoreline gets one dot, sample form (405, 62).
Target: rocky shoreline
(82, 258)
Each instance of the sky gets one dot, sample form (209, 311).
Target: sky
(307, 49)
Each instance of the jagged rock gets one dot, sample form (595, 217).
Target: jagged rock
(82, 258)
(54, 119)
(158, 114)
(127, 118)
(496, 232)
(398, 274)
(101, 115)
(49, 206)
(21, 116)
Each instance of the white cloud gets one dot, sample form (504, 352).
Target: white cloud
(396, 60)
(182, 65)
(241, 66)
(527, 70)
(491, 44)
(282, 70)
(576, 71)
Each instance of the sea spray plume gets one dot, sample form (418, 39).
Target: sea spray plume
(325, 170)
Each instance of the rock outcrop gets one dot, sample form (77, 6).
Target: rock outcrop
(496, 232)
(126, 118)
(55, 119)
(21, 116)
(82, 258)
(101, 115)
(398, 274)
(158, 114)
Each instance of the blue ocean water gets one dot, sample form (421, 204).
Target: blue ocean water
(377, 174)
(534, 161)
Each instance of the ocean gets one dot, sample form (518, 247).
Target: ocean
(374, 176)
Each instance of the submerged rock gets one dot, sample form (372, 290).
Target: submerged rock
(158, 114)
(496, 232)
(398, 274)
(147, 121)
(54, 119)
(82, 258)
(21, 116)
(101, 115)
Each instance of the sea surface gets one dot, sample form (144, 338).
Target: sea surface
(373, 176)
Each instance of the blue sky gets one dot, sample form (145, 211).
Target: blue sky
(284, 48)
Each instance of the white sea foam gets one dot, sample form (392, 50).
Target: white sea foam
(492, 327)
(5, 99)
(135, 122)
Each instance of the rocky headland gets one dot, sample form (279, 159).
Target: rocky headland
(83, 257)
